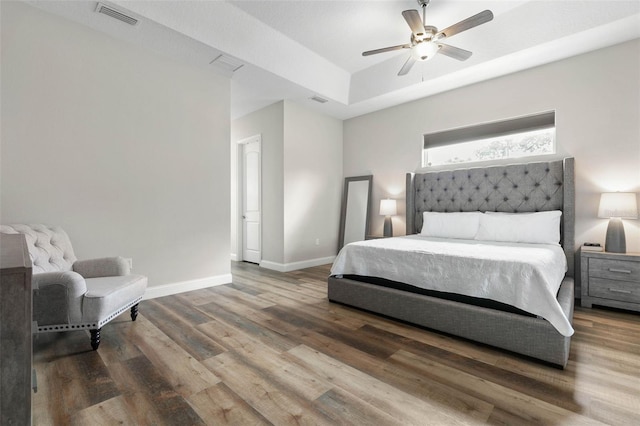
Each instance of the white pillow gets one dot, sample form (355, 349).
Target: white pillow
(450, 225)
(537, 228)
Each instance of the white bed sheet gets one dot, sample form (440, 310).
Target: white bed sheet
(527, 276)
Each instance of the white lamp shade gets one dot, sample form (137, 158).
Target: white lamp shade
(618, 204)
(388, 208)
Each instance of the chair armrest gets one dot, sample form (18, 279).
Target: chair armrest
(57, 297)
(103, 267)
(72, 281)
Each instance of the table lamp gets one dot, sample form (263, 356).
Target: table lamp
(387, 209)
(616, 206)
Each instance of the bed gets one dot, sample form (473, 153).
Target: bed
(518, 188)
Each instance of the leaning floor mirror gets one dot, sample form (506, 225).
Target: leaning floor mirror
(354, 217)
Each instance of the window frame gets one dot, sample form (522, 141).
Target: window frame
(491, 130)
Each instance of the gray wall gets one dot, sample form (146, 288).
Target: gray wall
(312, 184)
(125, 149)
(596, 97)
(301, 184)
(268, 122)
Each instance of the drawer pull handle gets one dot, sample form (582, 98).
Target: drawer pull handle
(622, 271)
(615, 290)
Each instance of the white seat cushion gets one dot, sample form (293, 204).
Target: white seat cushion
(106, 296)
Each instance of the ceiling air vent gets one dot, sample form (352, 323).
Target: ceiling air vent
(116, 14)
(227, 63)
(318, 99)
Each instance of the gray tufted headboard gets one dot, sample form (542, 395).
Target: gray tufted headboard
(516, 188)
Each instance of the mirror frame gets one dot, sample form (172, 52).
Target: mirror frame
(343, 211)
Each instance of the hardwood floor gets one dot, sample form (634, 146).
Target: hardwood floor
(271, 349)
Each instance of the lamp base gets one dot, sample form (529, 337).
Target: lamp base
(615, 241)
(388, 227)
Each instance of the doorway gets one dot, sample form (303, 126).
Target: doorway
(250, 199)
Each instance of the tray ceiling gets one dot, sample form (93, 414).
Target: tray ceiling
(297, 49)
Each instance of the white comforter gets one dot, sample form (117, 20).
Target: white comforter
(526, 276)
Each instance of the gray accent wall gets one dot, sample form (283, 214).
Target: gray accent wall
(596, 98)
(125, 149)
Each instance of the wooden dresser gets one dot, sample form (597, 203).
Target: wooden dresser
(15, 331)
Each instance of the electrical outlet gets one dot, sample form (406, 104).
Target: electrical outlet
(317, 241)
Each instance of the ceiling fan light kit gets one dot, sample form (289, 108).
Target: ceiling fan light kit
(425, 50)
(426, 39)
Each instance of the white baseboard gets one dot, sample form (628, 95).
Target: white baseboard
(180, 287)
(234, 257)
(294, 266)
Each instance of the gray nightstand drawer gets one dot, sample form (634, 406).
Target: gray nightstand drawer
(615, 290)
(614, 269)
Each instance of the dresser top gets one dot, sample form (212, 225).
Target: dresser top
(14, 252)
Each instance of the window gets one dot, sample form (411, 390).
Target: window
(515, 138)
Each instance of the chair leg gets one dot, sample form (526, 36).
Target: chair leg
(134, 312)
(95, 338)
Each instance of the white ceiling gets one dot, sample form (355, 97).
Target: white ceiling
(297, 49)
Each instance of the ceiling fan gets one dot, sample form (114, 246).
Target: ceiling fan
(426, 39)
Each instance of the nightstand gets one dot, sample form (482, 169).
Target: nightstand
(610, 279)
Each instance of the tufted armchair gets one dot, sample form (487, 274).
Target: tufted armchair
(71, 294)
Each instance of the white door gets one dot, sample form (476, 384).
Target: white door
(251, 202)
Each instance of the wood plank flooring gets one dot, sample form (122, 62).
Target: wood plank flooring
(270, 349)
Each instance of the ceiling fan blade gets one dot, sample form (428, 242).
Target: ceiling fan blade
(407, 66)
(415, 23)
(472, 21)
(386, 49)
(454, 52)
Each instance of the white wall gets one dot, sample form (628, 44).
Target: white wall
(126, 150)
(596, 97)
(312, 184)
(301, 184)
(268, 122)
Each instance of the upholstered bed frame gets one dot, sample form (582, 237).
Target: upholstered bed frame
(515, 188)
